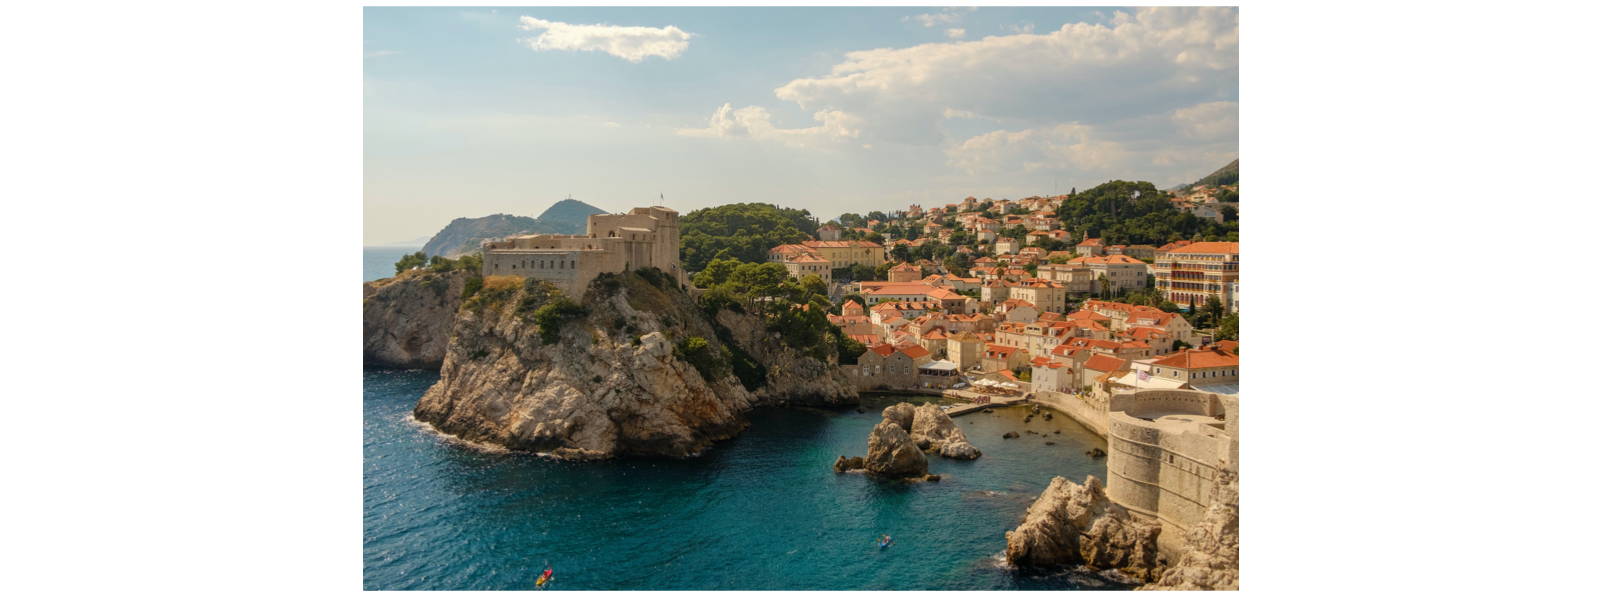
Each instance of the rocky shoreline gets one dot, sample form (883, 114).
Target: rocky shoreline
(634, 367)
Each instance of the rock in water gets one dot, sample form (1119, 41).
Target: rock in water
(932, 428)
(854, 463)
(1211, 555)
(1096, 453)
(890, 452)
(1009, 435)
(1072, 524)
(902, 414)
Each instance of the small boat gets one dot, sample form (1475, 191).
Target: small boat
(884, 542)
(543, 578)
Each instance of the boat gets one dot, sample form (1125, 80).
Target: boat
(543, 578)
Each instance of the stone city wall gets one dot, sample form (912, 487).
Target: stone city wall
(1090, 412)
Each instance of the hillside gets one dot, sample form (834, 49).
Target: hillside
(463, 235)
(1229, 174)
(570, 211)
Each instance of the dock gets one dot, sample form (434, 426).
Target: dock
(969, 406)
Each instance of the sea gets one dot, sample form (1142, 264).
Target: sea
(378, 262)
(761, 511)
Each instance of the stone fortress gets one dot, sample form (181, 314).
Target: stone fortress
(1168, 448)
(644, 237)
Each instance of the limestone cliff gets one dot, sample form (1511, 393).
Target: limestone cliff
(633, 368)
(1211, 556)
(1072, 524)
(607, 383)
(406, 319)
(792, 377)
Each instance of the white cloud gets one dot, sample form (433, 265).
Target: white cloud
(633, 44)
(1065, 146)
(955, 33)
(947, 16)
(1024, 28)
(1210, 121)
(1153, 94)
(1153, 62)
(754, 122)
(380, 53)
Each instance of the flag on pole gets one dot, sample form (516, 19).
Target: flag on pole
(1144, 375)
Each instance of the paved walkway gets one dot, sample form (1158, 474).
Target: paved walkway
(969, 406)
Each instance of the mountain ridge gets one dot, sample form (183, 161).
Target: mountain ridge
(463, 234)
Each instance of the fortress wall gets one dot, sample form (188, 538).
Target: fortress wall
(572, 262)
(1167, 473)
(1166, 401)
(1091, 413)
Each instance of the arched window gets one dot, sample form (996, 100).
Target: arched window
(611, 234)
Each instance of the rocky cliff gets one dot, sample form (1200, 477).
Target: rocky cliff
(792, 377)
(1072, 524)
(633, 368)
(1211, 555)
(406, 320)
(935, 432)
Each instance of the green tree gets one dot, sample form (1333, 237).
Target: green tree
(716, 272)
(1213, 308)
(417, 259)
(1229, 327)
(814, 285)
(862, 273)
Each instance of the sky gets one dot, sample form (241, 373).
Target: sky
(471, 112)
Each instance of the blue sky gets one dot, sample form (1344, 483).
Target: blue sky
(471, 112)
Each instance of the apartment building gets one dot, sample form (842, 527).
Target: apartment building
(1192, 273)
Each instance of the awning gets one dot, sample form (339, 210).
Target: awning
(941, 365)
(1131, 380)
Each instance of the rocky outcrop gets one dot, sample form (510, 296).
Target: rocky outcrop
(1072, 524)
(1211, 555)
(890, 452)
(597, 392)
(932, 429)
(792, 377)
(406, 320)
(853, 463)
(902, 414)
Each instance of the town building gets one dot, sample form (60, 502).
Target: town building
(809, 264)
(1192, 273)
(828, 232)
(845, 253)
(1122, 272)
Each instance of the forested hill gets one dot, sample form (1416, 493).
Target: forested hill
(464, 234)
(571, 212)
(1111, 212)
(1229, 174)
(745, 231)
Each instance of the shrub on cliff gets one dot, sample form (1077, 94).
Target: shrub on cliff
(416, 259)
(494, 292)
(697, 352)
(554, 314)
(472, 287)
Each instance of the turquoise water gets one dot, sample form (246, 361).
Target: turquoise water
(762, 511)
(378, 262)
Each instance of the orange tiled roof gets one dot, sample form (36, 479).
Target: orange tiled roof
(1199, 359)
(1215, 248)
(1105, 363)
